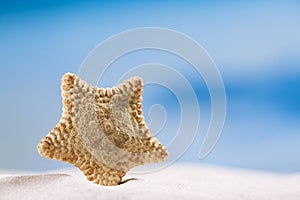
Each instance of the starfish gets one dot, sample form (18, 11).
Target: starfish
(102, 131)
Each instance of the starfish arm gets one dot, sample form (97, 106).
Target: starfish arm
(59, 145)
(130, 133)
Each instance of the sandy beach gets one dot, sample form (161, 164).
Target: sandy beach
(176, 182)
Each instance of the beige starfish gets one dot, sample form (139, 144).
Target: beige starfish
(102, 131)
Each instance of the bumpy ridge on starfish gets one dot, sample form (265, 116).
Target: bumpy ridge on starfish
(102, 131)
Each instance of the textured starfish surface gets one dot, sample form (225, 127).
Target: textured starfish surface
(102, 131)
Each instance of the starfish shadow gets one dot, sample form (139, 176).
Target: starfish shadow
(129, 179)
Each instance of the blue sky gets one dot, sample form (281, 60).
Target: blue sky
(256, 46)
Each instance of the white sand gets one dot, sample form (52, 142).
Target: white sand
(176, 182)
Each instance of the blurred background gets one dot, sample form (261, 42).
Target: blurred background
(256, 46)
